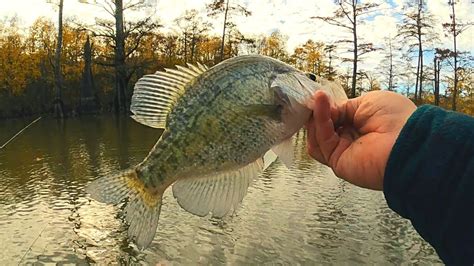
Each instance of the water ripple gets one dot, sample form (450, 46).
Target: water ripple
(302, 215)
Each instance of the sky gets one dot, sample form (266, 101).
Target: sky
(290, 17)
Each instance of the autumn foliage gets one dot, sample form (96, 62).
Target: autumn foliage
(27, 55)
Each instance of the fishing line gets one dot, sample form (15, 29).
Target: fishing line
(19, 132)
(34, 241)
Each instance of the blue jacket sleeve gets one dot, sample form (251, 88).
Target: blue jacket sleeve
(429, 179)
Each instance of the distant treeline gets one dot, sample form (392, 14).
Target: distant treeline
(27, 80)
(26, 62)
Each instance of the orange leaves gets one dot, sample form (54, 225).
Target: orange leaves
(274, 46)
(15, 64)
(309, 57)
(209, 50)
(72, 54)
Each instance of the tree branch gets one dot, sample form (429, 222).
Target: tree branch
(333, 21)
(341, 4)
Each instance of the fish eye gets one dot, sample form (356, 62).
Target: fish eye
(311, 76)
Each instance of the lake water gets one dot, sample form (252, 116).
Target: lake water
(304, 215)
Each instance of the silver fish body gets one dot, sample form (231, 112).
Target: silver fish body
(222, 127)
(227, 118)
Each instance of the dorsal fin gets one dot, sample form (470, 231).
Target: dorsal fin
(154, 95)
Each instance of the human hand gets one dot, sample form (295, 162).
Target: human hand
(355, 137)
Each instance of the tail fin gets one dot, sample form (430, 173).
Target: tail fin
(143, 208)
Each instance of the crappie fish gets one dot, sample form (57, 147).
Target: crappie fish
(222, 127)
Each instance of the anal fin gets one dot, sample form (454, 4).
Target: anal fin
(217, 194)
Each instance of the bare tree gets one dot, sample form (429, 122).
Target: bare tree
(170, 42)
(193, 28)
(348, 16)
(58, 104)
(455, 33)
(389, 65)
(329, 49)
(125, 38)
(455, 28)
(440, 56)
(88, 100)
(391, 75)
(407, 76)
(218, 7)
(370, 79)
(437, 70)
(416, 29)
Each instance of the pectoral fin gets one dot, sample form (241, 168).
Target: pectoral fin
(272, 111)
(269, 157)
(285, 151)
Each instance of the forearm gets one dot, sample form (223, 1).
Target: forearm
(429, 179)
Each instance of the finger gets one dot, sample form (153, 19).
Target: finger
(344, 113)
(312, 145)
(326, 137)
(341, 151)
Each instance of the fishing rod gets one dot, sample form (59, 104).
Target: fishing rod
(19, 132)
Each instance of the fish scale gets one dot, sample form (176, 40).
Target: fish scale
(222, 127)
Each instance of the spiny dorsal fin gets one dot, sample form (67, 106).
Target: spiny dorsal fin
(154, 95)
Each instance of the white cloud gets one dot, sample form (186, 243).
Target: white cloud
(464, 13)
(292, 18)
(26, 11)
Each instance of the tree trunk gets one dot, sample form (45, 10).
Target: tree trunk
(420, 89)
(193, 47)
(455, 85)
(58, 104)
(354, 31)
(120, 68)
(185, 47)
(420, 51)
(329, 77)
(417, 78)
(390, 73)
(88, 100)
(223, 31)
(436, 80)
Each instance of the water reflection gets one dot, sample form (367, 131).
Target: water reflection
(302, 215)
